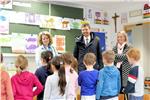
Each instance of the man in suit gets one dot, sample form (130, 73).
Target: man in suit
(88, 42)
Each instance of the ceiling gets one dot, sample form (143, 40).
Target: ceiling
(93, 3)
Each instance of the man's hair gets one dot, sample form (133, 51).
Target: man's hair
(134, 53)
(109, 56)
(85, 25)
(89, 59)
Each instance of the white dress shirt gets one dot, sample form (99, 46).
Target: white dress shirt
(85, 39)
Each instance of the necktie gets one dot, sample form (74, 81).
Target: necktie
(87, 41)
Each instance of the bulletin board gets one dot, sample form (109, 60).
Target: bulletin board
(38, 8)
(43, 9)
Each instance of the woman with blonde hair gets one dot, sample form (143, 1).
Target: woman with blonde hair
(121, 60)
(45, 42)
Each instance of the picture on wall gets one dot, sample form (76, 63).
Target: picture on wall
(31, 43)
(50, 22)
(65, 24)
(101, 17)
(18, 47)
(6, 4)
(16, 17)
(88, 15)
(76, 24)
(146, 12)
(5, 40)
(105, 18)
(33, 19)
(4, 23)
(60, 43)
(98, 17)
(124, 18)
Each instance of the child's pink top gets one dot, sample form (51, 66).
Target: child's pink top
(6, 89)
(23, 84)
(72, 81)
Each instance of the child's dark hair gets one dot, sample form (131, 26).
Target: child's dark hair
(1, 58)
(47, 57)
(59, 65)
(68, 59)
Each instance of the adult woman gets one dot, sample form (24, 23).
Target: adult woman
(45, 43)
(121, 60)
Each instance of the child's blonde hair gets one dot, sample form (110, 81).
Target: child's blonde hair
(109, 56)
(134, 53)
(21, 63)
(89, 59)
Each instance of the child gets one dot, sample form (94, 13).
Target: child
(135, 85)
(55, 87)
(71, 75)
(87, 79)
(23, 81)
(109, 83)
(6, 88)
(44, 71)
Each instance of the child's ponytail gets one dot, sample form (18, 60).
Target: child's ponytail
(59, 65)
(62, 79)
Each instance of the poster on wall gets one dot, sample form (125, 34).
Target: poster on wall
(88, 15)
(124, 18)
(5, 40)
(24, 18)
(4, 22)
(30, 43)
(17, 17)
(48, 21)
(105, 18)
(60, 43)
(146, 12)
(31, 18)
(65, 24)
(58, 23)
(98, 17)
(6, 4)
(18, 47)
(101, 17)
(76, 24)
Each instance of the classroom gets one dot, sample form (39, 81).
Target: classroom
(39, 37)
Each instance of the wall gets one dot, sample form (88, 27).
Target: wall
(37, 8)
(119, 8)
(131, 20)
(69, 12)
